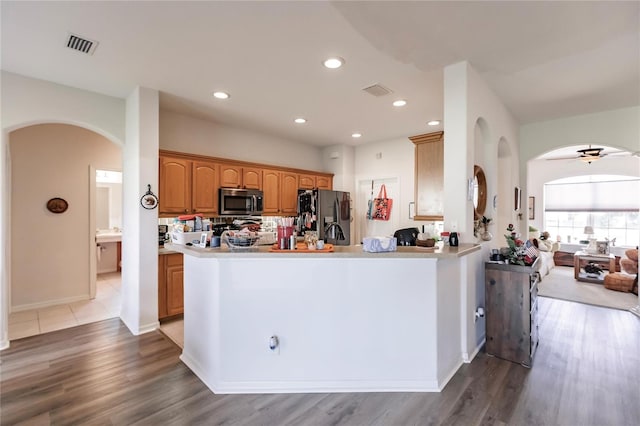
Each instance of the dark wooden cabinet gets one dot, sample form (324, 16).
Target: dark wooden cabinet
(170, 285)
(511, 293)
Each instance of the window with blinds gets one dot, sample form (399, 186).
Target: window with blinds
(609, 204)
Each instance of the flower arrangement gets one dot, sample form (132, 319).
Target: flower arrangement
(519, 253)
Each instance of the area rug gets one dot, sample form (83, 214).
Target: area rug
(560, 284)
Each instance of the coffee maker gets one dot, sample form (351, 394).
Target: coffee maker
(163, 230)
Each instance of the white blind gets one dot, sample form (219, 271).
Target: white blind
(623, 195)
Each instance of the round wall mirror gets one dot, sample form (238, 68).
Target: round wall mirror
(479, 192)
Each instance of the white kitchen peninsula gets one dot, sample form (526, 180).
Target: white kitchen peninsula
(347, 321)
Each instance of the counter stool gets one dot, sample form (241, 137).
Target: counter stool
(619, 282)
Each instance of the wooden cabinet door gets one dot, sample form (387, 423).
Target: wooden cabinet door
(162, 286)
(230, 176)
(271, 189)
(289, 193)
(175, 284)
(251, 178)
(324, 182)
(306, 181)
(429, 181)
(175, 185)
(205, 187)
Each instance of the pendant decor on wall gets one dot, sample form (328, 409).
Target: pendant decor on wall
(149, 200)
(57, 205)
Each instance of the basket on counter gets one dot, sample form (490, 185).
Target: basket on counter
(239, 241)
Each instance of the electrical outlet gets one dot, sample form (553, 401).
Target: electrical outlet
(274, 345)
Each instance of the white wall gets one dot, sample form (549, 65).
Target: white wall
(52, 160)
(192, 135)
(396, 162)
(618, 128)
(26, 101)
(341, 161)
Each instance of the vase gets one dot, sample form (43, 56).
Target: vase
(486, 235)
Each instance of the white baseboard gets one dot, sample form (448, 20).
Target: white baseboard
(468, 358)
(340, 386)
(148, 327)
(48, 303)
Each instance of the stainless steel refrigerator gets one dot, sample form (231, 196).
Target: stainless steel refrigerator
(326, 212)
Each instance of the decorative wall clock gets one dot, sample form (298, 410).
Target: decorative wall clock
(57, 205)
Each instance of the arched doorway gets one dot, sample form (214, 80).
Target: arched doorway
(52, 267)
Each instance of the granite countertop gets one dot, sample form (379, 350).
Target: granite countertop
(167, 249)
(339, 252)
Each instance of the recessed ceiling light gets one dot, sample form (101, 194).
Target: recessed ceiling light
(300, 120)
(356, 135)
(221, 95)
(433, 122)
(333, 63)
(399, 103)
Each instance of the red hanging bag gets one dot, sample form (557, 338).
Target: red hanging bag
(382, 205)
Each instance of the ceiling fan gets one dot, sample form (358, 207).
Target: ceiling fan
(590, 154)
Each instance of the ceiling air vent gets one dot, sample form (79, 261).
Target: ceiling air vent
(377, 90)
(81, 44)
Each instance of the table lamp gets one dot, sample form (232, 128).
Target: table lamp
(592, 247)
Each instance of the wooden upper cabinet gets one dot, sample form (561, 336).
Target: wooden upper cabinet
(251, 178)
(234, 176)
(429, 170)
(324, 182)
(205, 187)
(230, 176)
(289, 193)
(190, 184)
(175, 185)
(306, 181)
(271, 189)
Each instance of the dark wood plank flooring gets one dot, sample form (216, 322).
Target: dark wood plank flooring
(586, 372)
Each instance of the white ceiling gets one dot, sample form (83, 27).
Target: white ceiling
(545, 60)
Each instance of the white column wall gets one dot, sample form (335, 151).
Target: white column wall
(468, 99)
(458, 152)
(139, 239)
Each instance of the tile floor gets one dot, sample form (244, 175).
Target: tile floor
(174, 330)
(37, 321)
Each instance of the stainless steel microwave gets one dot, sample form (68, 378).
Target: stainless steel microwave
(240, 202)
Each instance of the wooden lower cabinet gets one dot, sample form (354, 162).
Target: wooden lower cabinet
(170, 285)
(511, 298)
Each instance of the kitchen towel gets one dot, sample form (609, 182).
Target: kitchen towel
(382, 205)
